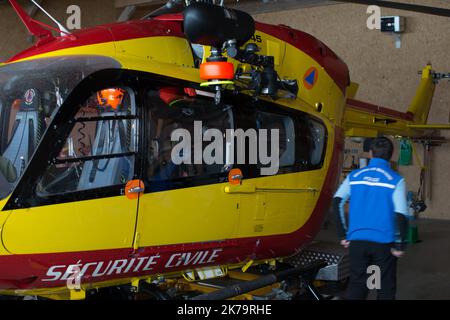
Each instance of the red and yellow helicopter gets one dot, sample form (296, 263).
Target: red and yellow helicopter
(87, 184)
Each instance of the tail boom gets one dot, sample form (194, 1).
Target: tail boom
(364, 119)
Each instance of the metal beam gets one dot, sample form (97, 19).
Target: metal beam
(250, 6)
(33, 9)
(127, 13)
(126, 3)
(265, 6)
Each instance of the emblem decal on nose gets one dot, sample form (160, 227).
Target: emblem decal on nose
(310, 78)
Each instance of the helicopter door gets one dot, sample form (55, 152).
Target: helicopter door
(79, 202)
(184, 203)
(281, 202)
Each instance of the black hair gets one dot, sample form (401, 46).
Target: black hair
(382, 148)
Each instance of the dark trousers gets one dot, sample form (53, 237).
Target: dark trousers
(364, 254)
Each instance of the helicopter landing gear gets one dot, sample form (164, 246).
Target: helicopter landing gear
(152, 292)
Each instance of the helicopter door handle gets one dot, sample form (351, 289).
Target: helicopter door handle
(240, 189)
(134, 189)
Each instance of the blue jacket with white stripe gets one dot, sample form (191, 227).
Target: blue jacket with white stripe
(377, 193)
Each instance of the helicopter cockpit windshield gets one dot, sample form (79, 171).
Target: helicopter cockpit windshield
(30, 94)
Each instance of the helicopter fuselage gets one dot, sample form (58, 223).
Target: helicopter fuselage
(53, 227)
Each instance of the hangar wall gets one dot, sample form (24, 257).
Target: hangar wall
(387, 76)
(14, 35)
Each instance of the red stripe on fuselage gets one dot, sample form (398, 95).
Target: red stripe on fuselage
(373, 108)
(107, 33)
(171, 25)
(28, 271)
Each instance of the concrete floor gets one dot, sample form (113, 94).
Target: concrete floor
(424, 272)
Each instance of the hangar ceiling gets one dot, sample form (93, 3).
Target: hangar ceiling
(251, 6)
(128, 7)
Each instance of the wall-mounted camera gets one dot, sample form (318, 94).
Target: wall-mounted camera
(395, 25)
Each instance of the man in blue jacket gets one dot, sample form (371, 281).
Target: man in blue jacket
(376, 227)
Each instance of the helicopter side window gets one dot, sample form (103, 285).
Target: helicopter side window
(318, 137)
(302, 138)
(169, 110)
(100, 149)
(311, 142)
(286, 131)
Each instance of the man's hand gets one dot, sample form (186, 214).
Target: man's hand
(345, 243)
(397, 253)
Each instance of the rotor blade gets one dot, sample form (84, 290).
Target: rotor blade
(403, 6)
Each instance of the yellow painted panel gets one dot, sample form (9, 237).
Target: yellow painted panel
(77, 226)
(421, 103)
(361, 132)
(275, 49)
(352, 90)
(283, 204)
(296, 64)
(209, 213)
(187, 215)
(171, 50)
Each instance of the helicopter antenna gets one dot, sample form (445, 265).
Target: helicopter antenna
(63, 30)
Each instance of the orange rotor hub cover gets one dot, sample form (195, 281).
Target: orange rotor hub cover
(217, 70)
